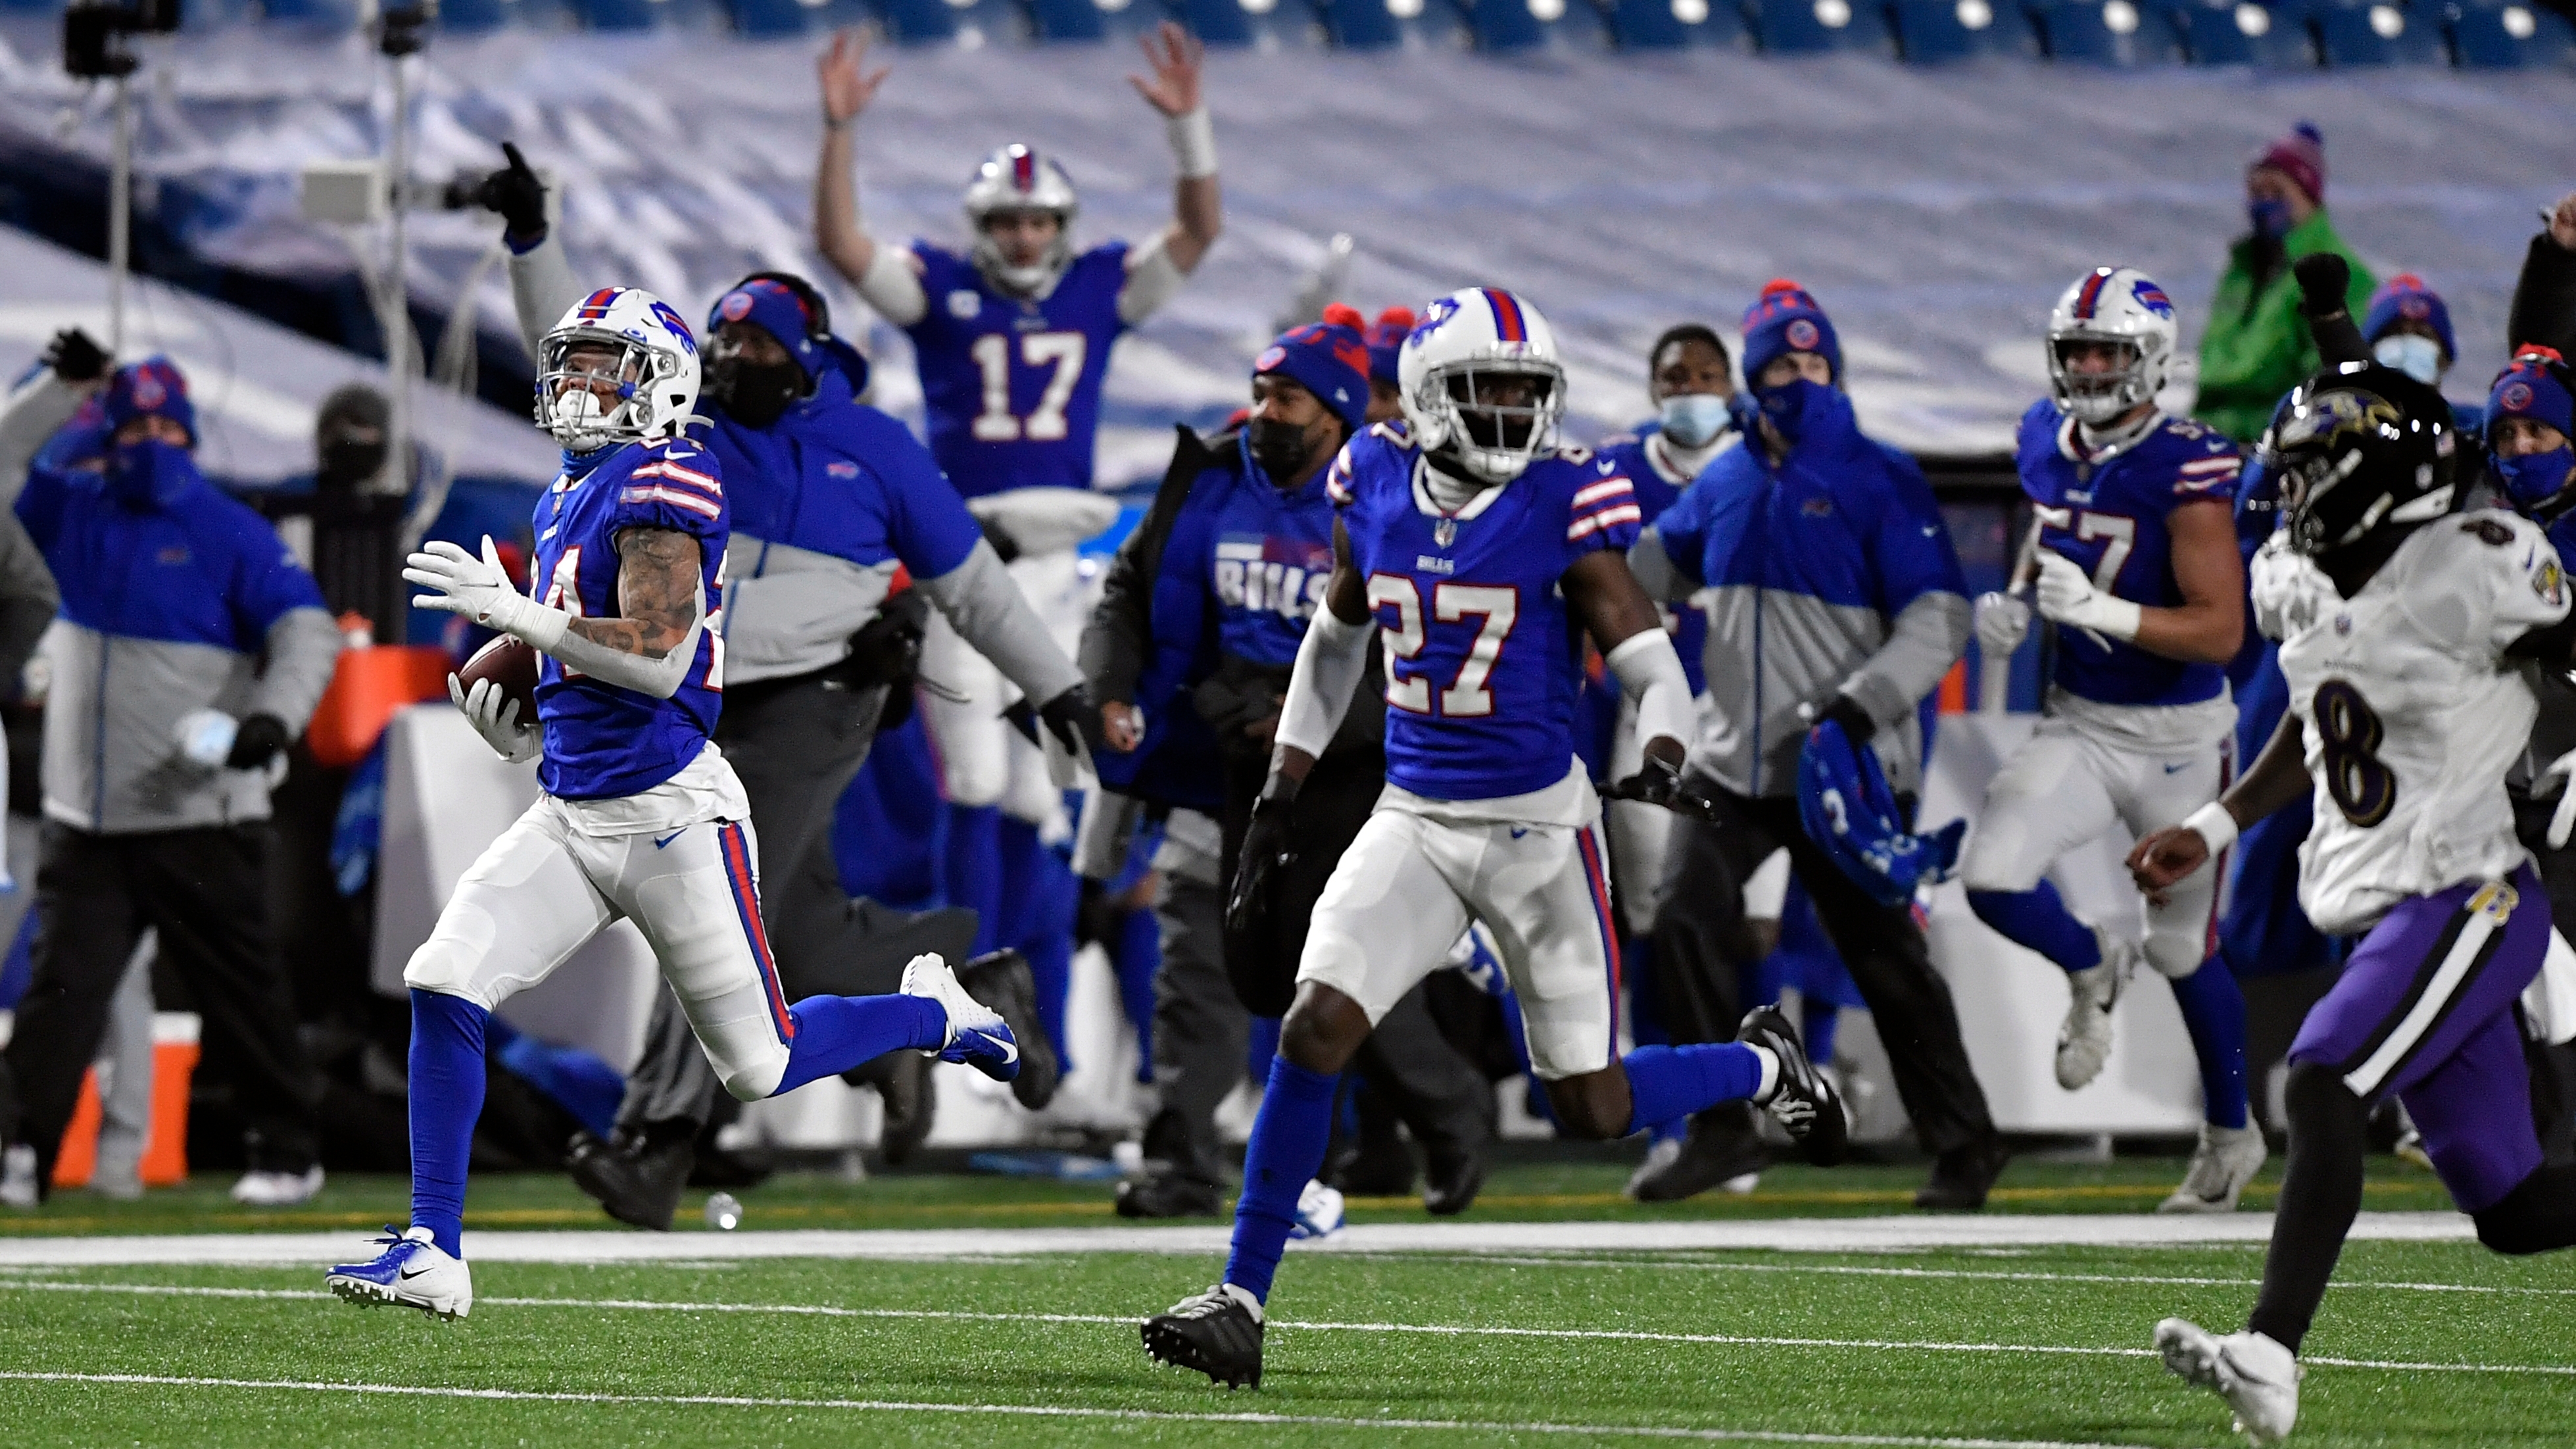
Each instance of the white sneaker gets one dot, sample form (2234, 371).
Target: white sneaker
(18, 1178)
(977, 1035)
(278, 1189)
(2084, 1042)
(2257, 1376)
(1319, 1212)
(2225, 1161)
(412, 1272)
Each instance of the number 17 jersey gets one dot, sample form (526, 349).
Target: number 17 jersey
(1482, 659)
(2413, 715)
(1010, 386)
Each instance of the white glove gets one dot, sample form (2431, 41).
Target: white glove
(495, 716)
(2562, 822)
(2002, 623)
(2067, 597)
(481, 590)
(206, 737)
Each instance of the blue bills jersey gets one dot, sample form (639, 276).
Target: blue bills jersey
(1011, 385)
(1482, 660)
(1640, 458)
(2108, 516)
(602, 741)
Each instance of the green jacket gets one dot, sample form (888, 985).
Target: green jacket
(2257, 346)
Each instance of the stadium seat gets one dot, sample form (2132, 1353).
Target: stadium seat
(1059, 22)
(760, 19)
(2487, 35)
(1262, 24)
(318, 14)
(1391, 24)
(618, 14)
(2379, 32)
(1811, 27)
(968, 23)
(2241, 32)
(1930, 31)
(2107, 32)
(457, 17)
(1507, 26)
(1672, 24)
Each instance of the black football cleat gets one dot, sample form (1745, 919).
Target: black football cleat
(1962, 1176)
(1217, 1333)
(1802, 1100)
(1002, 981)
(1170, 1195)
(637, 1179)
(1450, 1186)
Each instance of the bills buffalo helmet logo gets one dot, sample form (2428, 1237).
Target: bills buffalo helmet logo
(1801, 335)
(680, 332)
(2153, 298)
(737, 305)
(1440, 310)
(2515, 398)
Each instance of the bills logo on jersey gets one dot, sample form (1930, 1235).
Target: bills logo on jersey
(841, 470)
(1286, 576)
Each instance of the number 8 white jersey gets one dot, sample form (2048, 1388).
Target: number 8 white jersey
(2413, 715)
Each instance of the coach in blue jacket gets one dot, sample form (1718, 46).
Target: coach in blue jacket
(1837, 597)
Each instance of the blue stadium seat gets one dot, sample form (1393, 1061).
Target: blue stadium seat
(960, 22)
(1077, 21)
(2379, 32)
(759, 19)
(318, 14)
(1508, 26)
(195, 15)
(1673, 24)
(2511, 36)
(1264, 24)
(2108, 32)
(1811, 27)
(616, 14)
(1391, 24)
(1930, 31)
(2241, 32)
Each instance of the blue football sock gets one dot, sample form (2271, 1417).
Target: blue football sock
(2213, 1011)
(446, 1100)
(1822, 1022)
(1665, 1082)
(2039, 920)
(836, 1033)
(1287, 1148)
(972, 871)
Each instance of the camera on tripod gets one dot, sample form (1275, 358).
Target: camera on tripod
(91, 33)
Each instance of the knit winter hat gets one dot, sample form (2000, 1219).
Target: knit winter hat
(2301, 156)
(1786, 319)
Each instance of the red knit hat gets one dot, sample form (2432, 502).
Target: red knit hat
(2301, 156)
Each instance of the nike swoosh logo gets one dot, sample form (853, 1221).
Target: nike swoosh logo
(1519, 830)
(1010, 1049)
(667, 839)
(408, 1274)
(2177, 769)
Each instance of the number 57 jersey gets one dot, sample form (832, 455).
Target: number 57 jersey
(1482, 660)
(2413, 715)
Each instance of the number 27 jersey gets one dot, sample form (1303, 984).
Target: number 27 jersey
(1482, 659)
(2413, 715)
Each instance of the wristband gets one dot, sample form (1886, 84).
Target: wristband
(2120, 617)
(1193, 138)
(537, 625)
(2214, 825)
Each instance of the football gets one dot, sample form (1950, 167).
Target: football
(509, 663)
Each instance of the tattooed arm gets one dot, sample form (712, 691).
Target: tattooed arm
(649, 644)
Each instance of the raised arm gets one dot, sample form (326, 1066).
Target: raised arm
(647, 646)
(883, 275)
(1155, 270)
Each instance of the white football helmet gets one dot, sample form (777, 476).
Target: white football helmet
(1466, 344)
(2122, 306)
(1017, 178)
(629, 336)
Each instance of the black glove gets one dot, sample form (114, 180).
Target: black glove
(259, 739)
(1856, 723)
(2323, 280)
(1659, 782)
(1075, 722)
(516, 193)
(887, 649)
(74, 357)
(1268, 844)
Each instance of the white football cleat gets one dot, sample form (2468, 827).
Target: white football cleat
(278, 1189)
(2225, 1161)
(412, 1272)
(2253, 1372)
(977, 1035)
(1319, 1211)
(2084, 1042)
(18, 1178)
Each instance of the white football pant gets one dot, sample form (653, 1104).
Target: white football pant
(982, 760)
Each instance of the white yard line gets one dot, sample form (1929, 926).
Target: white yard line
(1439, 1330)
(1669, 1265)
(1049, 1411)
(1812, 1235)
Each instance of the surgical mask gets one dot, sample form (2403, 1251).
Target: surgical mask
(2271, 217)
(1801, 410)
(1692, 419)
(2533, 479)
(149, 473)
(1279, 447)
(2418, 357)
(752, 395)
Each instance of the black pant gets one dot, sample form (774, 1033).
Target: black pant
(206, 891)
(2553, 1068)
(1703, 946)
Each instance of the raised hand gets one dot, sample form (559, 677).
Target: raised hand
(1177, 62)
(2562, 222)
(848, 85)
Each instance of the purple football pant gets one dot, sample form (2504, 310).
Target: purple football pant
(2424, 1009)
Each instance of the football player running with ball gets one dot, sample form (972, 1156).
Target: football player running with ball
(2402, 626)
(641, 818)
(1478, 549)
(2137, 565)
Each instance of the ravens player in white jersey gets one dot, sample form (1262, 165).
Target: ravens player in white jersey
(2135, 553)
(1482, 552)
(2401, 625)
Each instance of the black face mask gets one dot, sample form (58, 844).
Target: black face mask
(1280, 448)
(346, 463)
(755, 396)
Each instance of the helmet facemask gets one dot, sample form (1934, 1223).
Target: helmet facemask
(1496, 415)
(2099, 398)
(568, 402)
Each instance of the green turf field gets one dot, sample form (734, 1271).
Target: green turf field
(2437, 1344)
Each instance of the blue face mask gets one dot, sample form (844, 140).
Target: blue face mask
(1801, 411)
(1693, 419)
(2271, 217)
(2534, 478)
(2418, 357)
(149, 474)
